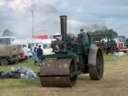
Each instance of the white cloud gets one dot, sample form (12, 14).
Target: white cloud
(75, 23)
(118, 24)
(113, 13)
(19, 6)
(44, 17)
(2, 3)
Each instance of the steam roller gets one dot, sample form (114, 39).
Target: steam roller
(73, 55)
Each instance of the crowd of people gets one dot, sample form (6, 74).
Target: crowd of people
(37, 55)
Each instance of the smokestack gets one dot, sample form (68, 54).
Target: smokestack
(63, 23)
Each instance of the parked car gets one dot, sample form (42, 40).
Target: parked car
(8, 51)
(22, 56)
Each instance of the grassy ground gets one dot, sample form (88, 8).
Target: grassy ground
(114, 83)
(27, 63)
(19, 83)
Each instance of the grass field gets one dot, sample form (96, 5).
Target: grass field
(114, 83)
(19, 83)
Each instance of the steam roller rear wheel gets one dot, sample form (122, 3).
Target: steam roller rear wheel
(95, 63)
(57, 73)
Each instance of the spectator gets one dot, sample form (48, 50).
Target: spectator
(34, 55)
(40, 55)
(81, 34)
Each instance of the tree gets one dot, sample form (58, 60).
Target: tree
(126, 43)
(103, 32)
(110, 33)
(7, 32)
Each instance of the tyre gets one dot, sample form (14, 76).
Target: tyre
(96, 63)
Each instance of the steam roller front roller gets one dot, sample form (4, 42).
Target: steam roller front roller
(95, 63)
(57, 72)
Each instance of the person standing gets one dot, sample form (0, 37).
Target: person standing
(34, 53)
(40, 55)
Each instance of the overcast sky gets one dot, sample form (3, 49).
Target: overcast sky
(16, 15)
